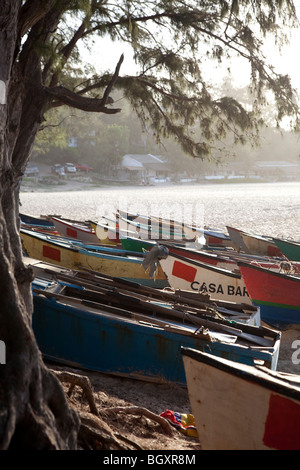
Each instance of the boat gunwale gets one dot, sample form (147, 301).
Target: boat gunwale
(205, 266)
(78, 249)
(287, 242)
(74, 226)
(269, 271)
(44, 238)
(258, 375)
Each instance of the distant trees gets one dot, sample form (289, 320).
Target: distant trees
(101, 141)
(84, 138)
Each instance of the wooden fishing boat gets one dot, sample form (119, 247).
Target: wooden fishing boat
(259, 245)
(161, 228)
(70, 255)
(77, 231)
(137, 245)
(115, 250)
(276, 293)
(37, 222)
(216, 237)
(156, 230)
(253, 244)
(122, 228)
(101, 329)
(225, 259)
(187, 274)
(289, 248)
(237, 241)
(142, 246)
(107, 233)
(194, 302)
(240, 407)
(192, 232)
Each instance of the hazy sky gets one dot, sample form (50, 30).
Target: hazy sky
(285, 63)
(288, 61)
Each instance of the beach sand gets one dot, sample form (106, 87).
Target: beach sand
(135, 398)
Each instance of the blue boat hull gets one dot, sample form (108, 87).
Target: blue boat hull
(281, 317)
(29, 220)
(112, 344)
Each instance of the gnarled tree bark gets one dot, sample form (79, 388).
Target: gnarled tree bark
(34, 412)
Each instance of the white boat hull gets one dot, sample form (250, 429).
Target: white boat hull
(75, 231)
(220, 284)
(240, 407)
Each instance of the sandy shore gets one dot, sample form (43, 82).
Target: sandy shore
(140, 431)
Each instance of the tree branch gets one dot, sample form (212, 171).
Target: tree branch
(69, 98)
(66, 53)
(75, 100)
(155, 17)
(113, 80)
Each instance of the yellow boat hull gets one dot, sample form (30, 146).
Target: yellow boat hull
(73, 258)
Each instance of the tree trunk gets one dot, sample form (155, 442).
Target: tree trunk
(34, 413)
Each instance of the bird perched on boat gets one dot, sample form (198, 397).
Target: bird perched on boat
(152, 258)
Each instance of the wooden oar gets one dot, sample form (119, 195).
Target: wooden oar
(194, 298)
(201, 310)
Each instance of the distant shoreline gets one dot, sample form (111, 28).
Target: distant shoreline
(34, 185)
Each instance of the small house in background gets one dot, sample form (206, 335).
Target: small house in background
(270, 170)
(145, 168)
(278, 170)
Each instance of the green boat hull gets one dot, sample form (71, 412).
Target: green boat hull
(289, 248)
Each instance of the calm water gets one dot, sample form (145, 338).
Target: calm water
(270, 209)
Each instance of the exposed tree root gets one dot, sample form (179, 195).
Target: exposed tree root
(95, 433)
(81, 381)
(136, 410)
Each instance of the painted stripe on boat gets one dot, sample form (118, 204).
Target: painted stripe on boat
(51, 253)
(183, 271)
(276, 305)
(71, 232)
